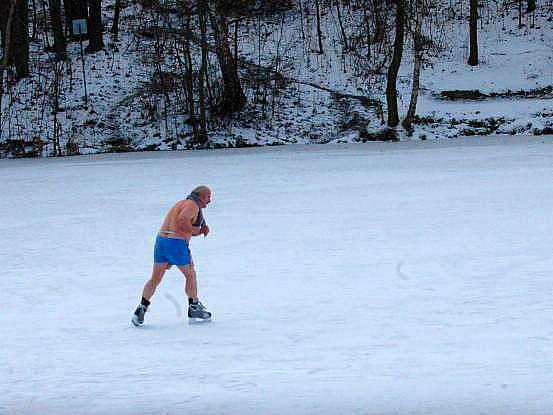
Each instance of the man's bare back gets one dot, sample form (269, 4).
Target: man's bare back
(178, 221)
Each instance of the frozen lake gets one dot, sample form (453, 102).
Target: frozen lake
(403, 278)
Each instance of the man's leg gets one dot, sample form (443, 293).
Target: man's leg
(196, 310)
(157, 275)
(149, 290)
(190, 287)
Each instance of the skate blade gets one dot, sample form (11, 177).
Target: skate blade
(195, 320)
(136, 322)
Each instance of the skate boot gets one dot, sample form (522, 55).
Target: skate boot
(138, 316)
(198, 313)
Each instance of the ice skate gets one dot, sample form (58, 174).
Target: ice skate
(197, 313)
(138, 316)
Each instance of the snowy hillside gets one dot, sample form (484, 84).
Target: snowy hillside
(316, 98)
(399, 278)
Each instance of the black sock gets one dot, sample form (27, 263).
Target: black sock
(145, 302)
(192, 301)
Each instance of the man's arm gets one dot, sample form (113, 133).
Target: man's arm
(186, 216)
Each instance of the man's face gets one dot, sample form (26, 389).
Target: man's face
(205, 199)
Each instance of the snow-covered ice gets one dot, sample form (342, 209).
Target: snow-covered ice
(405, 278)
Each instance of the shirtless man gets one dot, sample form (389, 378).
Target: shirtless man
(184, 220)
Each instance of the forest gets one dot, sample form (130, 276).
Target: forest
(91, 76)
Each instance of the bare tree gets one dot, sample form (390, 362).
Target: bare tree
(115, 25)
(319, 31)
(6, 43)
(342, 31)
(4, 13)
(378, 20)
(391, 91)
(187, 74)
(201, 139)
(60, 48)
(473, 28)
(96, 27)
(233, 98)
(20, 39)
(417, 64)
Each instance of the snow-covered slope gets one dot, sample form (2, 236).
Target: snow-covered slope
(124, 114)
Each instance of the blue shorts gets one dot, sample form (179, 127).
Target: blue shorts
(173, 251)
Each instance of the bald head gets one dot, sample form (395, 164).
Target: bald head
(202, 190)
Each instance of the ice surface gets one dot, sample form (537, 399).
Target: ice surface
(406, 278)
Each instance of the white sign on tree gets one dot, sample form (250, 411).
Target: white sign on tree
(79, 27)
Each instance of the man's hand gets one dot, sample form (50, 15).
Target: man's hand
(205, 230)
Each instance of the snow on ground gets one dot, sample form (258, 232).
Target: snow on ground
(511, 59)
(408, 278)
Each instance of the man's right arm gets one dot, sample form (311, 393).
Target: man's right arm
(186, 216)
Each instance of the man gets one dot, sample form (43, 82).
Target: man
(183, 221)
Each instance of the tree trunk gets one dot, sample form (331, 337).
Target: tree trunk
(233, 96)
(367, 30)
(6, 40)
(189, 81)
(7, 37)
(531, 6)
(60, 48)
(378, 21)
(344, 37)
(34, 32)
(201, 139)
(95, 27)
(45, 18)
(67, 14)
(473, 27)
(4, 12)
(417, 43)
(301, 20)
(20, 35)
(115, 25)
(391, 91)
(319, 32)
